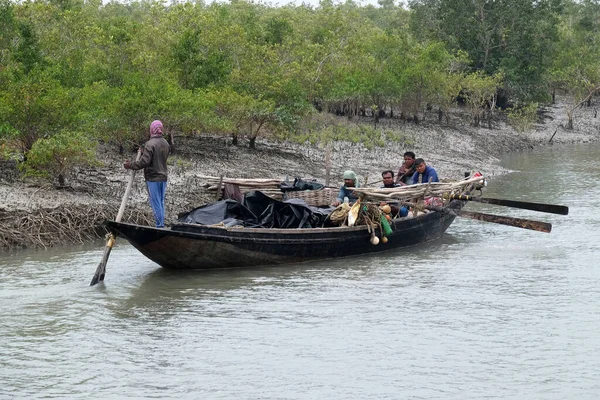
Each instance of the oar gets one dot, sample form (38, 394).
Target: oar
(110, 239)
(547, 208)
(497, 219)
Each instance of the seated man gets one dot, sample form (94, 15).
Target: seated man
(388, 182)
(350, 181)
(388, 179)
(407, 169)
(424, 173)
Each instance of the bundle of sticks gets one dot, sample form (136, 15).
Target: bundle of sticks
(270, 187)
(433, 189)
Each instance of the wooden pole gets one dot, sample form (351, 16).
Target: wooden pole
(219, 189)
(547, 208)
(497, 219)
(327, 163)
(110, 238)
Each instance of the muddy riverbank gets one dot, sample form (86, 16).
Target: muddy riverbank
(35, 215)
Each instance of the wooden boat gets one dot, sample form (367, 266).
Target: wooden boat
(204, 246)
(192, 246)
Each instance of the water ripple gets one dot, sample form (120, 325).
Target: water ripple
(487, 312)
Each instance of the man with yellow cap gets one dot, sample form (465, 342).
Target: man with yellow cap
(350, 181)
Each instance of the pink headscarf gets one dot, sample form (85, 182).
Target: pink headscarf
(156, 128)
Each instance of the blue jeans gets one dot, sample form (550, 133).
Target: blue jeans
(156, 194)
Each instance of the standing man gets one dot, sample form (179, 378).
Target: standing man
(407, 169)
(424, 173)
(154, 163)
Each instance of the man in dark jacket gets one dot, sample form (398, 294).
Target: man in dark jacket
(407, 169)
(388, 182)
(154, 163)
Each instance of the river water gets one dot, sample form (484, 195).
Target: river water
(488, 311)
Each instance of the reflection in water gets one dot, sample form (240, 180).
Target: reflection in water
(488, 311)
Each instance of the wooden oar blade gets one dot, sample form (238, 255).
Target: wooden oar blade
(95, 280)
(547, 208)
(510, 221)
(101, 268)
(525, 205)
(497, 219)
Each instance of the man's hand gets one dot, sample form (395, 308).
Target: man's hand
(336, 203)
(127, 164)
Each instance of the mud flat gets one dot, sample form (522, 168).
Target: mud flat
(34, 215)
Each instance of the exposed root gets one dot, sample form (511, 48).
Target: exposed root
(61, 225)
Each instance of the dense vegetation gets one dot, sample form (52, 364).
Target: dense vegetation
(75, 72)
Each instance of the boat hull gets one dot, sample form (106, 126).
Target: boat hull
(187, 246)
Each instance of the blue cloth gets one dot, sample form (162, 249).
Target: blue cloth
(156, 194)
(429, 173)
(346, 192)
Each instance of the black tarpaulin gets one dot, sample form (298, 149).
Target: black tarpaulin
(258, 210)
(300, 184)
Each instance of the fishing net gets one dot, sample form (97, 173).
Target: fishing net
(368, 214)
(339, 216)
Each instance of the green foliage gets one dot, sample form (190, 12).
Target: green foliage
(200, 64)
(8, 31)
(35, 106)
(513, 37)
(250, 69)
(8, 136)
(55, 157)
(178, 162)
(399, 137)
(576, 68)
(479, 90)
(522, 118)
(27, 52)
(322, 130)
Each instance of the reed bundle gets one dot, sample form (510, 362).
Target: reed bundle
(270, 187)
(433, 189)
(254, 182)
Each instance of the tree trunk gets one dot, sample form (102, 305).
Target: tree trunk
(234, 139)
(171, 143)
(61, 180)
(253, 142)
(570, 120)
